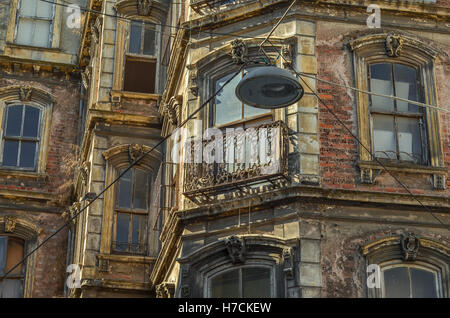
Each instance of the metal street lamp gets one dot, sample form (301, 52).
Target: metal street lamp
(269, 87)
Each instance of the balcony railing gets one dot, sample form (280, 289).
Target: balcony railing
(241, 158)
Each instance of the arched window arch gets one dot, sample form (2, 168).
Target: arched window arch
(25, 119)
(409, 267)
(128, 215)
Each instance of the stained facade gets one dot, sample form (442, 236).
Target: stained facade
(89, 103)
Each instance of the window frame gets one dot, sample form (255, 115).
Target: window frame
(51, 26)
(142, 248)
(221, 271)
(38, 139)
(409, 265)
(395, 114)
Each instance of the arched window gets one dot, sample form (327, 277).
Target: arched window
(410, 281)
(131, 212)
(11, 253)
(21, 136)
(409, 267)
(243, 282)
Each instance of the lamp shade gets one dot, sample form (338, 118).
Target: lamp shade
(269, 87)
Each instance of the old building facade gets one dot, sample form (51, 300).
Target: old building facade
(315, 221)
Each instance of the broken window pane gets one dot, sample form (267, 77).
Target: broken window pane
(139, 76)
(409, 140)
(406, 87)
(14, 255)
(384, 137)
(381, 83)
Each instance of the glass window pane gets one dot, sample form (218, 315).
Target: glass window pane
(138, 232)
(225, 285)
(135, 38)
(14, 121)
(384, 137)
(28, 8)
(141, 189)
(125, 186)
(122, 229)
(3, 245)
(256, 283)
(41, 33)
(31, 122)
(381, 83)
(14, 255)
(149, 41)
(27, 154)
(423, 283)
(44, 9)
(13, 288)
(396, 282)
(25, 32)
(406, 87)
(10, 152)
(228, 107)
(409, 140)
(250, 111)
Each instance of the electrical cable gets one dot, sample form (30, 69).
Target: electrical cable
(191, 116)
(264, 40)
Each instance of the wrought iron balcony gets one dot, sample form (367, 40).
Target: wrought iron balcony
(245, 158)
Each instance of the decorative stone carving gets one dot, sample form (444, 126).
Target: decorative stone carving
(185, 271)
(84, 170)
(103, 265)
(286, 51)
(439, 182)
(10, 224)
(165, 290)
(171, 110)
(410, 246)
(236, 249)
(193, 86)
(288, 263)
(135, 151)
(25, 93)
(394, 45)
(369, 175)
(144, 7)
(238, 51)
(185, 291)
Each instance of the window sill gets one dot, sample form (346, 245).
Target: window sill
(34, 48)
(127, 258)
(117, 95)
(370, 170)
(403, 167)
(24, 174)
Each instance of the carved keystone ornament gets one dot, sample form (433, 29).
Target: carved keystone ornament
(236, 249)
(409, 246)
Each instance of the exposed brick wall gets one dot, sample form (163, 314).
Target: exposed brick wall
(339, 150)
